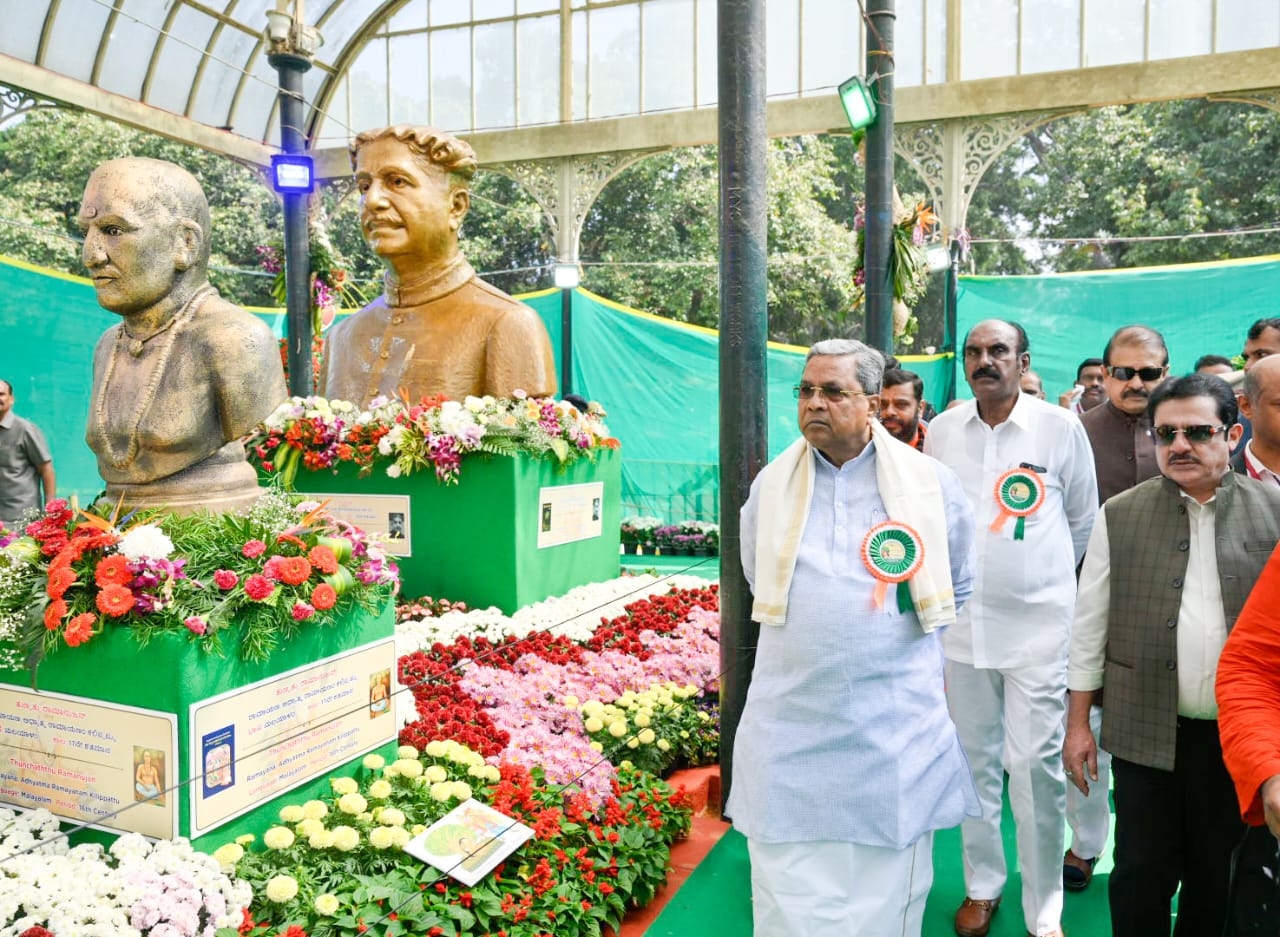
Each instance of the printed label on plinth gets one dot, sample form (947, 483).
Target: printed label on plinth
(385, 516)
(107, 765)
(261, 740)
(569, 512)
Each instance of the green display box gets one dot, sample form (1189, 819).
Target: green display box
(511, 532)
(228, 739)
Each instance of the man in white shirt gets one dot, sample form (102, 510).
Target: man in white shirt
(1260, 402)
(1027, 470)
(1169, 566)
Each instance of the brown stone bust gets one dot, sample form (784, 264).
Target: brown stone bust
(185, 374)
(437, 329)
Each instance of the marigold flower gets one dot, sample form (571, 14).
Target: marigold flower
(79, 629)
(326, 904)
(352, 803)
(258, 587)
(282, 888)
(278, 837)
(112, 569)
(115, 600)
(225, 579)
(324, 597)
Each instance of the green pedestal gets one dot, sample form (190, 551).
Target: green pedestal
(482, 541)
(229, 739)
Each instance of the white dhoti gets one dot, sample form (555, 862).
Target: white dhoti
(828, 889)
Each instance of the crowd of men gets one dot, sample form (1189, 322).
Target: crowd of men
(1046, 599)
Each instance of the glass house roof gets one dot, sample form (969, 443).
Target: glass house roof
(472, 66)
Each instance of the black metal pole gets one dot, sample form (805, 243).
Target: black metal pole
(879, 220)
(297, 248)
(566, 341)
(743, 337)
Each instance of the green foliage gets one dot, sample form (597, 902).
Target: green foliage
(46, 159)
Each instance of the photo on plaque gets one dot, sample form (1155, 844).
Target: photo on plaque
(219, 754)
(469, 841)
(379, 693)
(148, 775)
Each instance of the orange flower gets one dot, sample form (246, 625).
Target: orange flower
(61, 577)
(293, 570)
(323, 559)
(54, 612)
(324, 596)
(79, 629)
(115, 600)
(113, 569)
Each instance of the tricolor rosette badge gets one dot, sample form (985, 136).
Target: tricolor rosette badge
(892, 552)
(1019, 493)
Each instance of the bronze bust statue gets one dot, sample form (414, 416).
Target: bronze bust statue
(437, 329)
(185, 374)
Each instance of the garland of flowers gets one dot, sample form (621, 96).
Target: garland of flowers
(315, 433)
(270, 570)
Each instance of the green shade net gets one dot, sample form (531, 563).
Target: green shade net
(658, 379)
(1199, 309)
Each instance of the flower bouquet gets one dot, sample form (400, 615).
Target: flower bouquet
(908, 268)
(434, 434)
(271, 570)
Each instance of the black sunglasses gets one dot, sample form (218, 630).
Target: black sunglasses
(1165, 435)
(1147, 374)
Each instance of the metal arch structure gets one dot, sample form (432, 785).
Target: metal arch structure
(950, 124)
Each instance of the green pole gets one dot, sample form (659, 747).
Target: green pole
(879, 184)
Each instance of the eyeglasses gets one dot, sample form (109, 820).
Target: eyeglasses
(1147, 374)
(1165, 435)
(806, 392)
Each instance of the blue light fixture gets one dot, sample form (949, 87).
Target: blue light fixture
(292, 172)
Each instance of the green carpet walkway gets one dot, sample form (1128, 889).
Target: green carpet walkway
(716, 899)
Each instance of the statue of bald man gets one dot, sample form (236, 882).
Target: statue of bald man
(185, 374)
(437, 328)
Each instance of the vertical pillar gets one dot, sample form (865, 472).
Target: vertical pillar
(297, 250)
(879, 191)
(743, 337)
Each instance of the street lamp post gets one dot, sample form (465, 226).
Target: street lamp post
(567, 277)
(291, 45)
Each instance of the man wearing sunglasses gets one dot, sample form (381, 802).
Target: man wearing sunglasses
(1168, 569)
(1134, 363)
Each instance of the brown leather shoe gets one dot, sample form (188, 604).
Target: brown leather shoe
(973, 919)
(1077, 873)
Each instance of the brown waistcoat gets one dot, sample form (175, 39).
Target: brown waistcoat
(1149, 534)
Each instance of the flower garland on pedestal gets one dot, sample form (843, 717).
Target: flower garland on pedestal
(435, 434)
(908, 269)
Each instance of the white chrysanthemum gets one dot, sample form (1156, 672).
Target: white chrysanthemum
(291, 813)
(145, 540)
(462, 790)
(374, 762)
(315, 809)
(442, 791)
(308, 827)
(282, 888)
(382, 837)
(320, 839)
(227, 855)
(407, 751)
(380, 789)
(391, 816)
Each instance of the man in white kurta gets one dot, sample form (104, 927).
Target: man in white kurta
(846, 759)
(1028, 472)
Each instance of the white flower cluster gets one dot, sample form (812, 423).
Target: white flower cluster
(132, 889)
(574, 615)
(145, 541)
